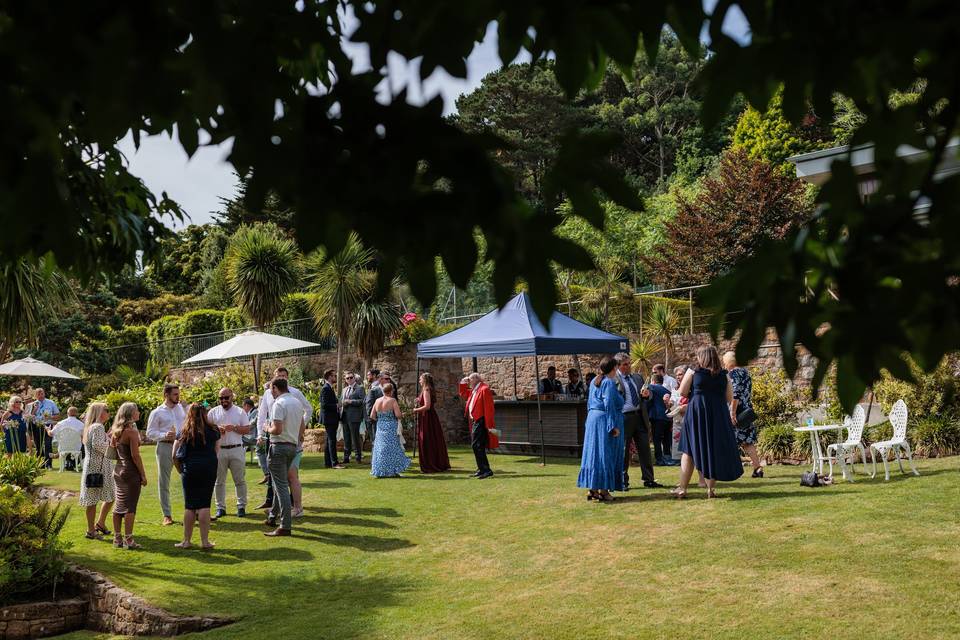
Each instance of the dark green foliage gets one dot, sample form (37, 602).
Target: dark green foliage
(159, 333)
(235, 213)
(200, 321)
(421, 329)
(233, 319)
(146, 310)
(262, 266)
(31, 552)
(179, 264)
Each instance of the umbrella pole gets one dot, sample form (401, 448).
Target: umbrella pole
(417, 387)
(543, 448)
(256, 376)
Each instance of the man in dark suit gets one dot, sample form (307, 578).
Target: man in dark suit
(636, 422)
(550, 384)
(330, 415)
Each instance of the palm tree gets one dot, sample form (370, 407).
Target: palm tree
(663, 322)
(604, 284)
(262, 267)
(28, 292)
(375, 322)
(642, 352)
(340, 284)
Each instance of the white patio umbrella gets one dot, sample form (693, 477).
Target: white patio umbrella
(250, 343)
(31, 368)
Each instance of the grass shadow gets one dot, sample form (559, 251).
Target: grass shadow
(364, 543)
(385, 512)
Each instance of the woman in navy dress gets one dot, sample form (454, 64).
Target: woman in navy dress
(708, 442)
(16, 435)
(196, 450)
(601, 465)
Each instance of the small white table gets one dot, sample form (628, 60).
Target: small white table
(818, 455)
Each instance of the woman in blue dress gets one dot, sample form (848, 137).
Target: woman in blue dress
(388, 459)
(708, 442)
(601, 465)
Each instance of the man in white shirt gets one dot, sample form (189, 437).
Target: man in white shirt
(286, 425)
(70, 423)
(668, 381)
(263, 418)
(163, 427)
(233, 424)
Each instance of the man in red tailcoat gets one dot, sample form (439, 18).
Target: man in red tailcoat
(479, 412)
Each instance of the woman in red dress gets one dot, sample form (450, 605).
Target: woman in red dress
(430, 440)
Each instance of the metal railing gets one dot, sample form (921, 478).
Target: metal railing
(173, 351)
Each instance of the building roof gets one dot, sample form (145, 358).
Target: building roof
(814, 167)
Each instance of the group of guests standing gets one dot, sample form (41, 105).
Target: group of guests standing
(31, 427)
(711, 405)
(204, 445)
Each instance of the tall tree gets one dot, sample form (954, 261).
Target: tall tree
(652, 107)
(524, 105)
(236, 211)
(770, 137)
(736, 209)
(262, 267)
(179, 264)
(340, 284)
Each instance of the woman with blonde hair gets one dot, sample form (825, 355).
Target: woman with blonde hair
(128, 476)
(16, 435)
(96, 481)
(707, 441)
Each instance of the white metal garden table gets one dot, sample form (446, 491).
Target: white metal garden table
(817, 451)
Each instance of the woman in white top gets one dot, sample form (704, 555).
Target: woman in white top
(94, 439)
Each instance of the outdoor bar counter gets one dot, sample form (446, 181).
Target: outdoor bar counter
(519, 427)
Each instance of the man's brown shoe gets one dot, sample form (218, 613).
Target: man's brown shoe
(276, 533)
(270, 522)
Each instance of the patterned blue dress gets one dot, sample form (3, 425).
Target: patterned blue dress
(388, 458)
(743, 392)
(601, 465)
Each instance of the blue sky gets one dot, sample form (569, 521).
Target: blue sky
(199, 182)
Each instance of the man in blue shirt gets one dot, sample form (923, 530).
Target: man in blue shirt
(662, 425)
(43, 413)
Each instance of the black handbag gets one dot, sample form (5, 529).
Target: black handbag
(746, 417)
(810, 479)
(95, 480)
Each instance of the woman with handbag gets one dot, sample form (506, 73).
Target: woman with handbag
(741, 410)
(195, 456)
(96, 482)
(129, 477)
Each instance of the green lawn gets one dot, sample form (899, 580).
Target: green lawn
(523, 555)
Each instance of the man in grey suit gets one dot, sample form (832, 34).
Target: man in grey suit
(353, 404)
(636, 422)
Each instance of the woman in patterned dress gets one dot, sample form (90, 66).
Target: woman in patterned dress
(388, 459)
(94, 440)
(743, 400)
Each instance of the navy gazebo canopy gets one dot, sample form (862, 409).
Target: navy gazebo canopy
(515, 330)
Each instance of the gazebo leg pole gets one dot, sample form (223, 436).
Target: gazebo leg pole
(514, 377)
(415, 427)
(543, 448)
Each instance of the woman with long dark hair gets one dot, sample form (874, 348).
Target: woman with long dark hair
(195, 453)
(430, 440)
(601, 465)
(708, 442)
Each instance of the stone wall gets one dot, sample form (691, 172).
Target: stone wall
(499, 372)
(401, 362)
(96, 604)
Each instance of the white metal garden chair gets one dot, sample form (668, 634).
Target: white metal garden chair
(897, 444)
(68, 444)
(853, 443)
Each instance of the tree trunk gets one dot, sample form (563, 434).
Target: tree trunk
(340, 340)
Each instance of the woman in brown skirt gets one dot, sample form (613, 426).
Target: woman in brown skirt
(128, 475)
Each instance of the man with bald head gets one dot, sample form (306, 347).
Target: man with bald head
(233, 424)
